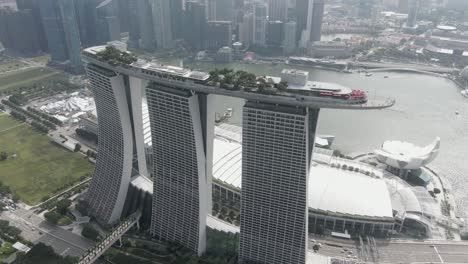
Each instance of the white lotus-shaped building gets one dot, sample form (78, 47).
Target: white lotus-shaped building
(404, 155)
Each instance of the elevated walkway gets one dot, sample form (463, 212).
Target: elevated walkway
(94, 253)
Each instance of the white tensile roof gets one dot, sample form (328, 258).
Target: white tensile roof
(404, 155)
(345, 192)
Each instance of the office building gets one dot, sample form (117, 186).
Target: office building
(86, 15)
(277, 10)
(53, 26)
(289, 43)
(275, 33)
(246, 29)
(33, 5)
(18, 31)
(318, 10)
(72, 35)
(177, 13)
(302, 13)
(260, 20)
(161, 12)
(108, 22)
(218, 34)
(413, 13)
(61, 27)
(145, 22)
(195, 24)
(133, 24)
(274, 219)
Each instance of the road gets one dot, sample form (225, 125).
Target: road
(36, 229)
(396, 251)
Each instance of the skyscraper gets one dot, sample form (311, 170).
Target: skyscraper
(179, 134)
(161, 11)
(219, 34)
(413, 13)
(87, 22)
(289, 43)
(108, 22)
(53, 26)
(61, 27)
(72, 34)
(176, 18)
(33, 5)
(224, 10)
(275, 33)
(108, 189)
(260, 20)
(317, 20)
(276, 152)
(18, 31)
(302, 12)
(195, 24)
(277, 10)
(145, 22)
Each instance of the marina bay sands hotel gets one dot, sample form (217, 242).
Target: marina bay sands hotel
(279, 126)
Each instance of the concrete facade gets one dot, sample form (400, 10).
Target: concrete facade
(277, 143)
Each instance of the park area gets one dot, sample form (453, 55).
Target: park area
(36, 167)
(23, 78)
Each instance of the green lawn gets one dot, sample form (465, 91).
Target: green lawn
(26, 77)
(40, 167)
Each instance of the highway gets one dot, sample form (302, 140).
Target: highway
(392, 251)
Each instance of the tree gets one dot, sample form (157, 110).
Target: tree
(89, 232)
(52, 217)
(436, 190)
(3, 156)
(43, 254)
(62, 206)
(77, 147)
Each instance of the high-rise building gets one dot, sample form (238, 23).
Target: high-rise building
(275, 33)
(195, 24)
(277, 10)
(176, 18)
(87, 22)
(53, 26)
(289, 44)
(277, 143)
(318, 10)
(260, 20)
(145, 22)
(403, 6)
(18, 31)
(246, 29)
(72, 35)
(180, 138)
(161, 11)
(133, 24)
(302, 13)
(33, 5)
(413, 13)
(218, 34)
(108, 22)
(225, 10)
(63, 36)
(108, 189)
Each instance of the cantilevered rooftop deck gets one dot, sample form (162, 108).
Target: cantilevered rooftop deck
(199, 82)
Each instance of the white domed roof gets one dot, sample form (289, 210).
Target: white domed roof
(464, 73)
(404, 155)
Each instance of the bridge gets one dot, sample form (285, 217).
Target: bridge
(407, 70)
(94, 253)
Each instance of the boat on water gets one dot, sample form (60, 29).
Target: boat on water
(368, 74)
